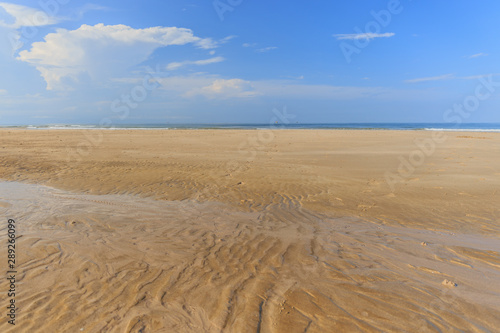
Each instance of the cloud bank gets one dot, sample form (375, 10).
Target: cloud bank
(100, 52)
(221, 88)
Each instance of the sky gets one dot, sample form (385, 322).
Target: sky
(238, 61)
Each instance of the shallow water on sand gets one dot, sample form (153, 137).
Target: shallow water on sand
(116, 263)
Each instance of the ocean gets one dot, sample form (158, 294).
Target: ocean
(466, 127)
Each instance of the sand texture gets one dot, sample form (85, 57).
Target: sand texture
(252, 231)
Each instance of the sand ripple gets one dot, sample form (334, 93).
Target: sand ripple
(119, 263)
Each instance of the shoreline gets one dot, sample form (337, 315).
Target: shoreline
(446, 127)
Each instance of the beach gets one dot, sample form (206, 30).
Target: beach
(222, 230)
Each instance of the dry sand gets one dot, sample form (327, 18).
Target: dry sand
(253, 231)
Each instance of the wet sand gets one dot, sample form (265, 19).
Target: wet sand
(235, 231)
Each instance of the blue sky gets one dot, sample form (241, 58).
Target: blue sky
(234, 61)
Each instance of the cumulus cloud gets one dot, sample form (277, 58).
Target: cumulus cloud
(221, 88)
(368, 35)
(177, 65)
(101, 52)
(17, 16)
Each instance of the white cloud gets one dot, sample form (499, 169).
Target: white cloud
(478, 55)
(292, 89)
(263, 49)
(432, 78)
(101, 52)
(22, 16)
(450, 77)
(177, 65)
(301, 77)
(475, 77)
(3, 92)
(220, 88)
(266, 49)
(227, 39)
(367, 35)
(180, 85)
(213, 87)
